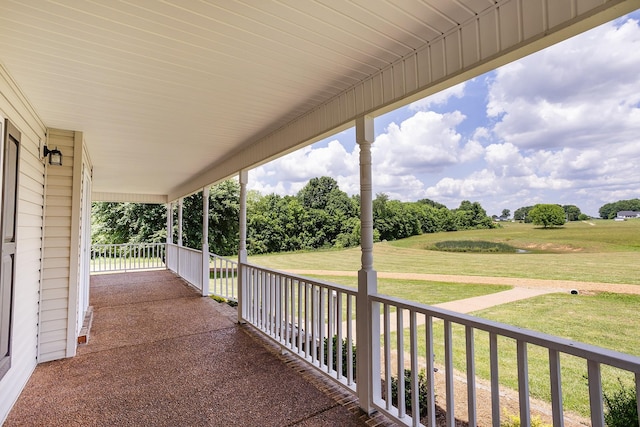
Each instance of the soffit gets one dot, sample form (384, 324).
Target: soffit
(163, 90)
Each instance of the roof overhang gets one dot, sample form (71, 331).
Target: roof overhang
(172, 97)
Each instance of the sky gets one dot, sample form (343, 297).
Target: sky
(559, 126)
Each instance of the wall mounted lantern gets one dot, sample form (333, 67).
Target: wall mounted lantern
(55, 156)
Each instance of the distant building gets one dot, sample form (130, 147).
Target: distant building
(622, 215)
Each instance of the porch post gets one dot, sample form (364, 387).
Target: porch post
(367, 316)
(169, 233)
(180, 222)
(242, 246)
(179, 251)
(205, 241)
(170, 222)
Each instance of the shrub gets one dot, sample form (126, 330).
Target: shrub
(423, 390)
(344, 355)
(473, 246)
(621, 409)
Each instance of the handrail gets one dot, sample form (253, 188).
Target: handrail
(308, 317)
(127, 257)
(394, 348)
(223, 277)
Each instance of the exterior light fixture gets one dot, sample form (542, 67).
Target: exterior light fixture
(55, 156)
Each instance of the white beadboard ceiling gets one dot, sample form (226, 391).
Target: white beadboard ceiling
(167, 91)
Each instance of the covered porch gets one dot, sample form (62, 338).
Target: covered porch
(156, 101)
(160, 354)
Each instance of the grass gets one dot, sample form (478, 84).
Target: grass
(421, 291)
(593, 319)
(605, 320)
(604, 252)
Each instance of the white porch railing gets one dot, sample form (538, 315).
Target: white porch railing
(311, 318)
(127, 257)
(186, 263)
(223, 272)
(300, 314)
(315, 320)
(223, 277)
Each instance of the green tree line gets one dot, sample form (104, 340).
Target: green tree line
(610, 210)
(320, 215)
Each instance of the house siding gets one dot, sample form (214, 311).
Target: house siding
(57, 271)
(15, 107)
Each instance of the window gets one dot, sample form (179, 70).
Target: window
(9, 152)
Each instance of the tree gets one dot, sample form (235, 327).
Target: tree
(116, 223)
(547, 215)
(522, 214)
(572, 212)
(471, 216)
(431, 203)
(610, 210)
(506, 213)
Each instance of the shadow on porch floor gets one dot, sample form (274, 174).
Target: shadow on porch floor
(161, 355)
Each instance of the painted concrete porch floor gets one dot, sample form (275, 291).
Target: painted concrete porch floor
(161, 355)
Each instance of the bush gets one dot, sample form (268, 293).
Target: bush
(423, 391)
(621, 409)
(473, 246)
(344, 355)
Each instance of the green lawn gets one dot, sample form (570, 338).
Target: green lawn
(605, 320)
(607, 251)
(422, 291)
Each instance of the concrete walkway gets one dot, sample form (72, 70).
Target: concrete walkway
(161, 355)
(481, 302)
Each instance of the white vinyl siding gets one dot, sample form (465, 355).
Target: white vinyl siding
(13, 106)
(56, 275)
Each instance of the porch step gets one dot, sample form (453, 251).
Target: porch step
(83, 337)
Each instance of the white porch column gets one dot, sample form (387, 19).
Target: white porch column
(367, 321)
(242, 245)
(170, 222)
(169, 233)
(180, 222)
(205, 241)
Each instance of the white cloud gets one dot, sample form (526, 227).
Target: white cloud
(439, 98)
(288, 174)
(425, 142)
(578, 93)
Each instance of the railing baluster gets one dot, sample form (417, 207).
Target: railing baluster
(338, 326)
(350, 341)
(320, 326)
(387, 354)
(330, 335)
(523, 383)
(448, 361)
(595, 393)
(286, 311)
(400, 350)
(415, 385)
(471, 376)
(307, 319)
(495, 380)
(431, 396)
(556, 388)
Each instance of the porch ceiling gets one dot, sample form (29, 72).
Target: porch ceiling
(167, 91)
